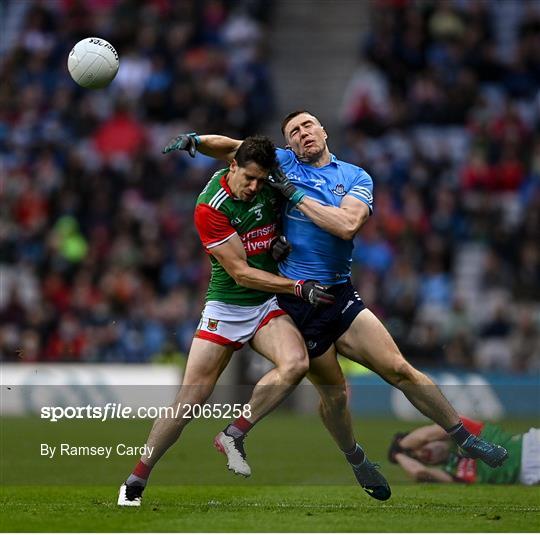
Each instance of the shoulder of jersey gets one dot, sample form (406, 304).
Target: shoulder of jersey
(214, 193)
(352, 166)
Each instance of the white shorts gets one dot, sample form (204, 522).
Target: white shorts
(234, 325)
(530, 458)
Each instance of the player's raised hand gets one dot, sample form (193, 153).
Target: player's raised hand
(187, 142)
(396, 448)
(278, 180)
(280, 248)
(312, 292)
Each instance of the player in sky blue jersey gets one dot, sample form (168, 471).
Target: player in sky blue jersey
(328, 201)
(328, 257)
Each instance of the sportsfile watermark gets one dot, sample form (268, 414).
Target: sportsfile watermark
(95, 434)
(112, 411)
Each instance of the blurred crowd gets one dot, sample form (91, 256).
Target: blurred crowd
(99, 260)
(98, 256)
(444, 111)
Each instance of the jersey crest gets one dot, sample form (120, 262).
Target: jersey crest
(339, 190)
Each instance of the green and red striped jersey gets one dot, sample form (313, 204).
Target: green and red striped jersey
(218, 216)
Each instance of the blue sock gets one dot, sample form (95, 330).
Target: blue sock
(356, 455)
(459, 433)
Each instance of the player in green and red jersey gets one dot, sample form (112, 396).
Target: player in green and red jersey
(236, 216)
(418, 451)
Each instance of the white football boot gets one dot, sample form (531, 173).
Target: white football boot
(130, 495)
(233, 448)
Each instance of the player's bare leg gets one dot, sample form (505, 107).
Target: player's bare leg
(368, 342)
(326, 375)
(281, 343)
(205, 363)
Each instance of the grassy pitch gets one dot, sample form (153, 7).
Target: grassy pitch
(282, 509)
(300, 483)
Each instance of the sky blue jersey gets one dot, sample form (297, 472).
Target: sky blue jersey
(316, 253)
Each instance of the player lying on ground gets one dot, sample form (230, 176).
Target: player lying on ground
(418, 451)
(236, 217)
(328, 201)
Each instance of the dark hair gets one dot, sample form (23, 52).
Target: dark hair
(292, 115)
(258, 149)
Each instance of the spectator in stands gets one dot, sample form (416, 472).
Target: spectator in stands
(444, 113)
(466, 177)
(91, 208)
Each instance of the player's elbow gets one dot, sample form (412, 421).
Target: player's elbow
(240, 276)
(348, 233)
(351, 228)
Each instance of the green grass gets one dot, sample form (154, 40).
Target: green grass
(232, 508)
(300, 482)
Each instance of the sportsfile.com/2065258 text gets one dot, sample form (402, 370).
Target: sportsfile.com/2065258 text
(111, 411)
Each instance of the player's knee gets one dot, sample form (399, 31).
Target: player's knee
(400, 371)
(295, 367)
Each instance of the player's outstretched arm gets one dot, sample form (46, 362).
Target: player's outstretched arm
(232, 256)
(421, 473)
(422, 435)
(219, 147)
(215, 146)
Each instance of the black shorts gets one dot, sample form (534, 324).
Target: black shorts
(323, 325)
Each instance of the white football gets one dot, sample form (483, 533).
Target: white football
(93, 63)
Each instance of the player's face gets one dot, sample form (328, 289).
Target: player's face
(434, 452)
(246, 182)
(306, 137)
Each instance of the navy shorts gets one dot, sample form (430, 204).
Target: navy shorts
(322, 326)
